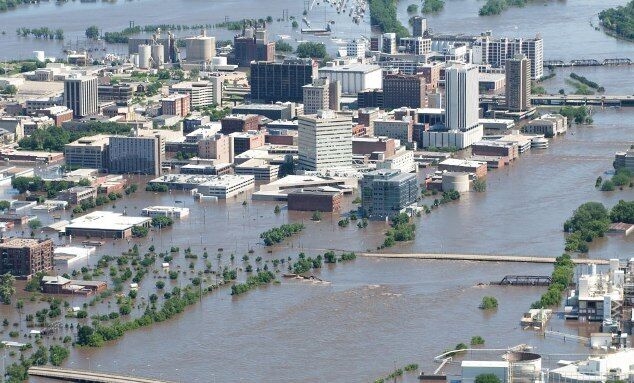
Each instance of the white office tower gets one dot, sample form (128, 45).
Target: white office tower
(325, 142)
(461, 112)
(80, 95)
(316, 96)
(462, 96)
(356, 48)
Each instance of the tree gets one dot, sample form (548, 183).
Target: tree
(6, 288)
(5, 205)
(277, 209)
(162, 221)
(487, 378)
(477, 340)
(84, 182)
(283, 46)
(480, 185)
(10, 90)
(316, 216)
(92, 32)
(312, 50)
(84, 333)
(489, 303)
(623, 212)
(58, 354)
(35, 224)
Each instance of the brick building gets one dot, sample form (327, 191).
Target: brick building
(314, 199)
(23, 257)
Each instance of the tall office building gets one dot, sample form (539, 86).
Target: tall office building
(316, 96)
(356, 48)
(385, 193)
(281, 81)
(518, 84)
(419, 26)
(80, 95)
(389, 43)
(252, 45)
(403, 90)
(324, 141)
(462, 96)
(495, 52)
(137, 155)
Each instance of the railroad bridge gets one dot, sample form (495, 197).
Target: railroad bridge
(588, 62)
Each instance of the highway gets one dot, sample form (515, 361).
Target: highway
(86, 376)
(481, 258)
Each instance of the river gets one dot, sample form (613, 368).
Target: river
(375, 313)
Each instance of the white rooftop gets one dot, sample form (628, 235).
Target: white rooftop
(106, 220)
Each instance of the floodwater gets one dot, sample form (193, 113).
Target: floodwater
(375, 313)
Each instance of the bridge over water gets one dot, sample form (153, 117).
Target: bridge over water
(83, 376)
(568, 99)
(482, 258)
(588, 62)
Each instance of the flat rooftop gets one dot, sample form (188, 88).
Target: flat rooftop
(18, 243)
(106, 220)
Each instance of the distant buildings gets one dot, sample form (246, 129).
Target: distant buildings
(80, 95)
(370, 98)
(356, 48)
(549, 125)
(354, 77)
(518, 84)
(385, 193)
(119, 93)
(625, 160)
(137, 155)
(389, 43)
(105, 224)
(277, 111)
(239, 123)
(403, 90)
(495, 52)
(324, 141)
(218, 147)
(201, 93)
(396, 129)
(176, 105)
(23, 257)
(226, 186)
(243, 141)
(88, 152)
(281, 81)
(252, 45)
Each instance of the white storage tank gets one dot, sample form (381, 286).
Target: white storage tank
(525, 367)
(145, 56)
(134, 59)
(158, 55)
(455, 181)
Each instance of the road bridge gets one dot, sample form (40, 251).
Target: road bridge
(83, 376)
(568, 99)
(482, 258)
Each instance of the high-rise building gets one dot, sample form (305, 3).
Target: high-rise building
(518, 84)
(387, 192)
(137, 155)
(403, 90)
(419, 26)
(23, 257)
(80, 95)
(414, 45)
(218, 147)
(252, 45)
(334, 95)
(316, 96)
(202, 93)
(356, 48)
(200, 49)
(324, 141)
(462, 96)
(119, 93)
(281, 81)
(389, 43)
(176, 104)
(496, 52)
(370, 98)
(88, 152)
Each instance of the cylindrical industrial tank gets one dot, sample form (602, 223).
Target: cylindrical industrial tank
(525, 366)
(158, 55)
(134, 59)
(145, 55)
(39, 55)
(455, 181)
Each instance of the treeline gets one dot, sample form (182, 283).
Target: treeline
(177, 302)
(6, 5)
(561, 278)
(621, 178)
(402, 230)
(278, 234)
(54, 138)
(311, 49)
(495, 7)
(383, 15)
(253, 281)
(619, 20)
(433, 6)
(41, 33)
(587, 82)
(592, 220)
